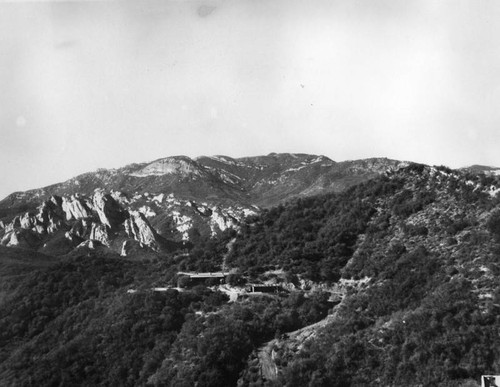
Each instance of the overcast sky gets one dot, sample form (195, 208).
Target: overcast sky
(96, 84)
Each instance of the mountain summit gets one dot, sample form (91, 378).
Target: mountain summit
(261, 180)
(159, 204)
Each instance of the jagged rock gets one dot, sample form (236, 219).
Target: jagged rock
(27, 221)
(120, 197)
(109, 211)
(50, 214)
(221, 220)
(99, 232)
(56, 200)
(76, 208)
(130, 247)
(73, 238)
(204, 211)
(138, 227)
(90, 244)
(21, 238)
(93, 245)
(82, 228)
(16, 223)
(6, 238)
(39, 229)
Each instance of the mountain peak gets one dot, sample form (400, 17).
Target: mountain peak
(180, 165)
(261, 180)
(476, 168)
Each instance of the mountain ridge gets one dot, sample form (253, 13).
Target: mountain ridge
(233, 174)
(411, 256)
(170, 200)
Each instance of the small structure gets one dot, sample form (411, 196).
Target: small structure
(263, 288)
(490, 381)
(203, 278)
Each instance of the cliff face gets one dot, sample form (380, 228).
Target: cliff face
(138, 228)
(144, 222)
(98, 218)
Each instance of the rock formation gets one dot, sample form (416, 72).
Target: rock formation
(76, 208)
(138, 227)
(108, 210)
(99, 232)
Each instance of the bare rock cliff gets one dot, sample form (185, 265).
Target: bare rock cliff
(138, 228)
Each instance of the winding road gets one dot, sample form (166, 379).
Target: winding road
(293, 340)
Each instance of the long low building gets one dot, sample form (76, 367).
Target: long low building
(201, 278)
(217, 274)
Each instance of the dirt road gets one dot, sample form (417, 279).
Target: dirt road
(293, 341)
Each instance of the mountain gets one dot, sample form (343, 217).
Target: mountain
(391, 282)
(417, 253)
(162, 205)
(262, 180)
(482, 169)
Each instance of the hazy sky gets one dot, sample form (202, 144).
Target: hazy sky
(103, 84)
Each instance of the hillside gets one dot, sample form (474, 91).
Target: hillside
(407, 265)
(162, 206)
(419, 251)
(261, 180)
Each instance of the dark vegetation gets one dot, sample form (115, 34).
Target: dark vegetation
(75, 323)
(445, 340)
(421, 249)
(427, 315)
(316, 236)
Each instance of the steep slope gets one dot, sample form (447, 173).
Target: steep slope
(15, 265)
(418, 252)
(414, 254)
(126, 225)
(262, 180)
(167, 201)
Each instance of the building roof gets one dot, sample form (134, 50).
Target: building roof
(204, 275)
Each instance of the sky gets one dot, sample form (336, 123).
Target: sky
(101, 84)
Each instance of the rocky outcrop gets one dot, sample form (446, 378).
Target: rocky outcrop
(27, 239)
(178, 165)
(73, 238)
(221, 220)
(93, 245)
(51, 215)
(99, 232)
(76, 208)
(138, 227)
(27, 221)
(109, 211)
(120, 197)
(128, 225)
(131, 247)
(16, 223)
(82, 228)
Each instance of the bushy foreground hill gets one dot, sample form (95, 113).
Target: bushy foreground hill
(422, 246)
(415, 253)
(96, 320)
